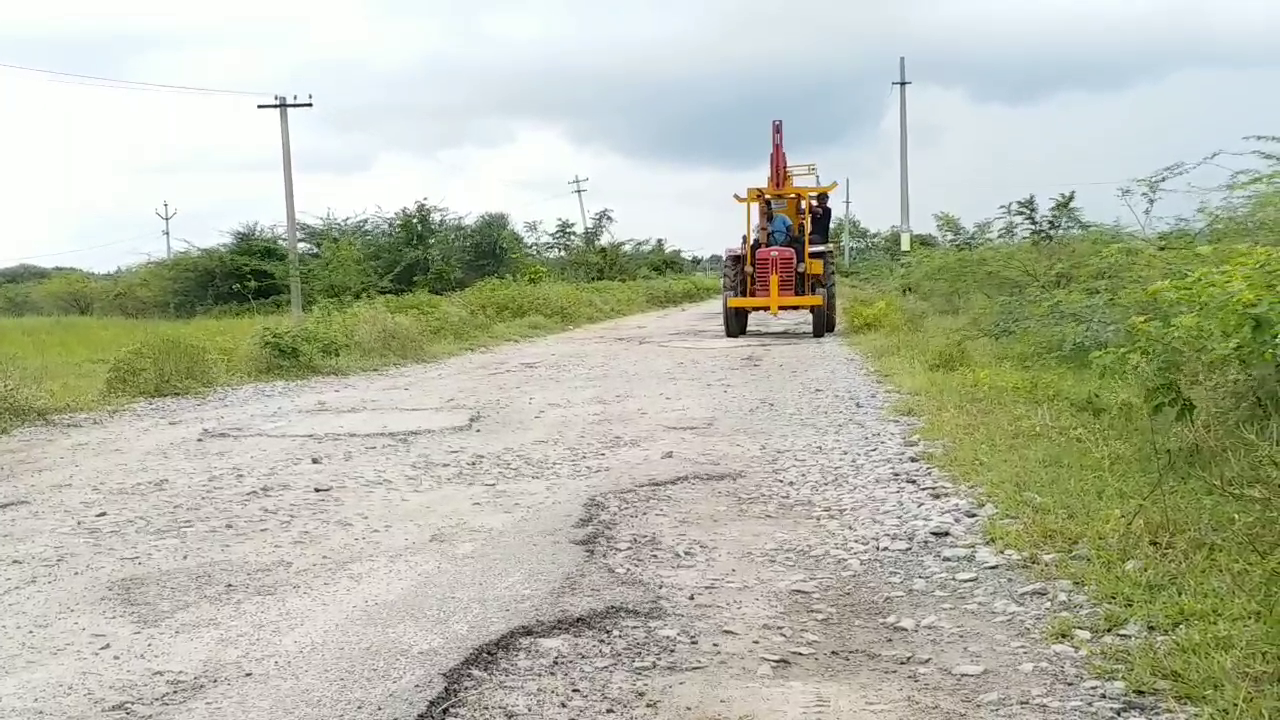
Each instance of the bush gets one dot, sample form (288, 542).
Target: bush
(162, 366)
(299, 349)
(861, 316)
(379, 336)
(22, 400)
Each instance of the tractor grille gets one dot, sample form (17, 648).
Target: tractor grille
(780, 261)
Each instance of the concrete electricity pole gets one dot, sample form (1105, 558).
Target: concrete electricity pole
(846, 241)
(291, 219)
(166, 217)
(904, 229)
(576, 182)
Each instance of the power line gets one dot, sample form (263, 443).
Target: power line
(130, 84)
(141, 88)
(1099, 183)
(79, 250)
(545, 199)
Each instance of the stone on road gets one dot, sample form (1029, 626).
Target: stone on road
(621, 520)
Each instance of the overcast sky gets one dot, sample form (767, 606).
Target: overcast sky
(664, 105)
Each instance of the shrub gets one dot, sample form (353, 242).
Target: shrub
(862, 317)
(162, 366)
(298, 349)
(22, 400)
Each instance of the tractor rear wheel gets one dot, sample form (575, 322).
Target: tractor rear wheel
(820, 314)
(832, 312)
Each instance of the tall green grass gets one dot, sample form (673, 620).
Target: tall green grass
(54, 365)
(1120, 405)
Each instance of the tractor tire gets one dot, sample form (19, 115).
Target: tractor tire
(832, 312)
(820, 315)
(734, 322)
(733, 278)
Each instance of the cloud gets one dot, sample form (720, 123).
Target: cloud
(696, 84)
(666, 107)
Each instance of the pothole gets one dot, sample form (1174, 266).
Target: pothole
(587, 654)
(598, 512)
(617, 661)
(383, 422)
(701, 477)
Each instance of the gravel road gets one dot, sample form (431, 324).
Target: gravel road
(639, 519)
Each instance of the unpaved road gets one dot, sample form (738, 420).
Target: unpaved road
(639, 519)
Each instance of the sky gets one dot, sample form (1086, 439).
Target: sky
(664, 106)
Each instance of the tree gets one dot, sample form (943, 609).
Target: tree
(70, 293)
(420, 247)
(1024, 220)
(952, 231)
(341, 272)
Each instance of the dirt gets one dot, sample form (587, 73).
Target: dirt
(641, 519)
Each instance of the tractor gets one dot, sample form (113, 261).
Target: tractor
(796, 275)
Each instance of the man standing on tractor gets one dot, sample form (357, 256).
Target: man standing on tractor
(820, 220)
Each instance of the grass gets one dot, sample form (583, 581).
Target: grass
(1080, 469)
(57, 365)
(68, 357)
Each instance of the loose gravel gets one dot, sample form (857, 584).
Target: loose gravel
(638, 520)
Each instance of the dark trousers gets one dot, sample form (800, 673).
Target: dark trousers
(797, 244)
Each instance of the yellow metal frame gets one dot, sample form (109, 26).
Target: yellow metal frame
(774, 302)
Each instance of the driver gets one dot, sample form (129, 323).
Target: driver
(780, 228)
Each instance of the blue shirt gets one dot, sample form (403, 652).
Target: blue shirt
(779, 230)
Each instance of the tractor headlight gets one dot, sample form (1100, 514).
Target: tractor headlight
(749, 269)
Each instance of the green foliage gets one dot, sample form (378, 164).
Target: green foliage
(863, 315)
(382, 288)
(1117, 393)
(162, 365)
(422, 247)
(22, 399)
(298, 349)
(71, 293)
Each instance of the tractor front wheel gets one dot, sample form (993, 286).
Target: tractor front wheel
(735, 320)
(820, 314)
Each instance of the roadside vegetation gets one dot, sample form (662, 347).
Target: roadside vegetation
(410, 286)
(1115, 391)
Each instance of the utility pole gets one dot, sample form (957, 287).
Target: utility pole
(576, 182)
(846, 241)
(291, 219)
(904, 225)
(166, 217)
